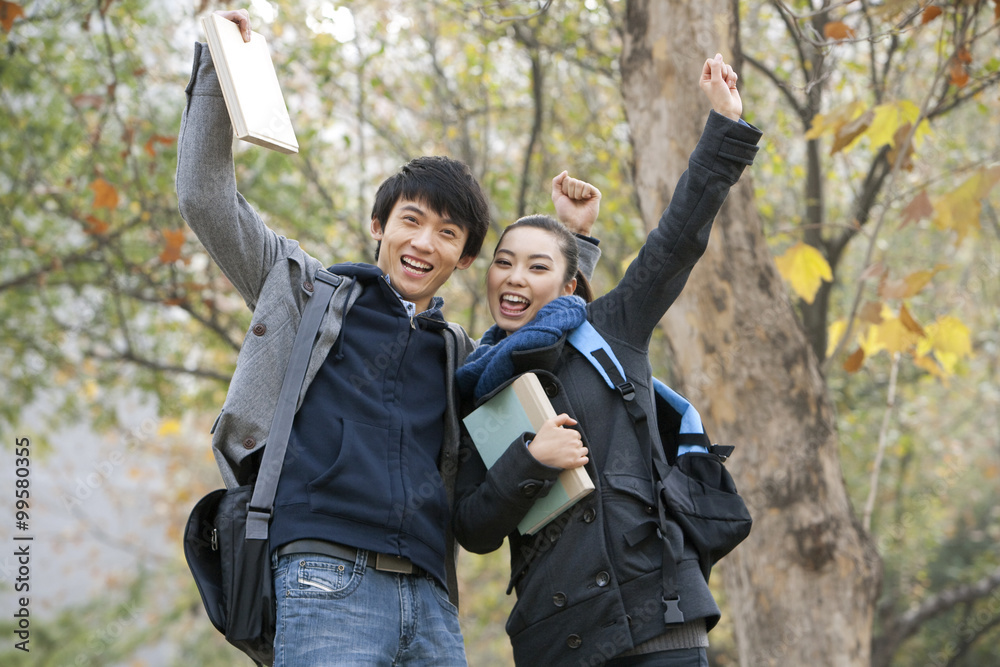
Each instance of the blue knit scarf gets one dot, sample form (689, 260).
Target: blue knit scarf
(491, 364)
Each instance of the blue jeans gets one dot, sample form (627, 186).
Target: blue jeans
(340, 612)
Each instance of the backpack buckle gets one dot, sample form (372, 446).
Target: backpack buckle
(721, 451)
(627, 390)
(673, 614)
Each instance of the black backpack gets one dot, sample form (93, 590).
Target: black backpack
(690, 482)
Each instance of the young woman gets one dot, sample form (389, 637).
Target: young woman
(590, 586)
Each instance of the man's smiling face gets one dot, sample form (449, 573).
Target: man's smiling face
(419, 250)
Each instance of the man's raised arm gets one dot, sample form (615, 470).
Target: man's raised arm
(229, 228)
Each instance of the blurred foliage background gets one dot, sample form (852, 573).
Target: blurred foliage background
(119, 334)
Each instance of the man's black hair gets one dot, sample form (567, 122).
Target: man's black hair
(447, 186)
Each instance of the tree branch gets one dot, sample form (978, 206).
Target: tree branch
(899, 629)
(877, 86)
(883, 442)
(131, 357)
(870, 189)
(783, 86)
(966, 644)
(185, 305)
(506, 19)
(99, 242)
(944, 106)
(892, 172)
(537, 98)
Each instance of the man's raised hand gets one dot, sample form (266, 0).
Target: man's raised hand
(240, 17)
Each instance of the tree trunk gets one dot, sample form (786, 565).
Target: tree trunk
(802, 588)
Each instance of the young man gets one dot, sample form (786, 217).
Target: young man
(363, 556)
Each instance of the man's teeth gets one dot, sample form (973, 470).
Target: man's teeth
(417, 264)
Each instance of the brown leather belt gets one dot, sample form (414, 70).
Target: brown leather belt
(382, 562)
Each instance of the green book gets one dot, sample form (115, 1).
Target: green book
(523, 406)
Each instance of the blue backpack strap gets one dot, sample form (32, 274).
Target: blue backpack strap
(587, 340)
(691, 437)
(591, 344)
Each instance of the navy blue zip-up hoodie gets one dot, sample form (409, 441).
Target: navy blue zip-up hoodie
(362, 461)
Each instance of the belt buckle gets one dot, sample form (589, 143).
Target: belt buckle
(387, 563)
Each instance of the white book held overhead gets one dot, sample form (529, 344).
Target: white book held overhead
(522, 407)
(250, 86)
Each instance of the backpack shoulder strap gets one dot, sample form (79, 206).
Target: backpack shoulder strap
(591, 344)
(329, 287)
(673, 411)
(691, 435)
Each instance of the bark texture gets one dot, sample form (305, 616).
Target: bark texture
(802, 588)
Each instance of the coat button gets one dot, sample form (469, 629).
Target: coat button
(649, 509)
(249, 443)
(602, 579)
(574, 641)
(259, 329)
(559, 599)
(551, 389)
(308, 286)
(529, 489)
(589, 515)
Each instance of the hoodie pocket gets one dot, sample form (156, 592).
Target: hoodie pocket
(357, 486)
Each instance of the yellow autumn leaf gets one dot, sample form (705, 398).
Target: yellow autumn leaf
(831, 122)
(917, 280)
(928, 364)
(910, 285)
(960, 209)
(907, 320)
(949, 340)
(805, 269)
(847, 136)
(869, 342)
(169, 427)
(834, 333)
(894, 336)
(889, 118)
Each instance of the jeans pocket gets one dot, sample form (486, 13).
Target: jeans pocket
(441, 595)
(312, 576)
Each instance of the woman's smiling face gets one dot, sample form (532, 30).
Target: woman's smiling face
(528, 271)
